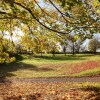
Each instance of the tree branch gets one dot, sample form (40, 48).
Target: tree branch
(29, 10)
(61, 13)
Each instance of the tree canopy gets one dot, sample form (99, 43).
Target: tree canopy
(61, 16)
(61, 19)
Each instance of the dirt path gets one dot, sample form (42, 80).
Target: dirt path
(55, 79)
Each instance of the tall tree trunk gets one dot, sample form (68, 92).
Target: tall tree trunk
(95, 51)
(64, 50)
(73, 49)
(78, 50)
(53, 52)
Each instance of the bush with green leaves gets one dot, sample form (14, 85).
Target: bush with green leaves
(4, 58)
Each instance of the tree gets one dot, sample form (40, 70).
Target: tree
(4, 56)
(27, 42)
(65, 17)
(64, 49)
(78, 45)
(41, 41)
(93, 45)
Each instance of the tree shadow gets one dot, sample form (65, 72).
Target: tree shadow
(96, 91)
(86, 55)
(19, 57)
(60, 58)
(7, 69)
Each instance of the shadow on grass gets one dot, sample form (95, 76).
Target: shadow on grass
(19, 57)
(7, 69)
(60, 58)
(85, 55)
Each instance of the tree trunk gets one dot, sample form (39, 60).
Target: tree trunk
(78, 50)
(73, 49)
(53, 52)
(65, 53)
(64, 50)
(95, 51)
(41, 54)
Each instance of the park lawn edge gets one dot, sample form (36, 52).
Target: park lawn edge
(91, 72)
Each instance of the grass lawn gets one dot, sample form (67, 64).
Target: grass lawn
(48, 66)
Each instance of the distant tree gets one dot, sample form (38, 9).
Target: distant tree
(18, 48)
(76, 40)
(54, 49)
(27, 42)
(73, 42)
(93, 45)
(78, 45)
(64, 49)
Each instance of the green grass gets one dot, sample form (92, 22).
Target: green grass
(94, 71)
(28, 66)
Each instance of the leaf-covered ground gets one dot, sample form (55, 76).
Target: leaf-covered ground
(49, 91)
(85, 67)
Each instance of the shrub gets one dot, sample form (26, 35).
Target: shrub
(4, 58)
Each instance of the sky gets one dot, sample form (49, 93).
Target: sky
(41, 3)
(17, 33)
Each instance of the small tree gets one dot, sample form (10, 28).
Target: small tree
(78, 45)
(93, 45)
